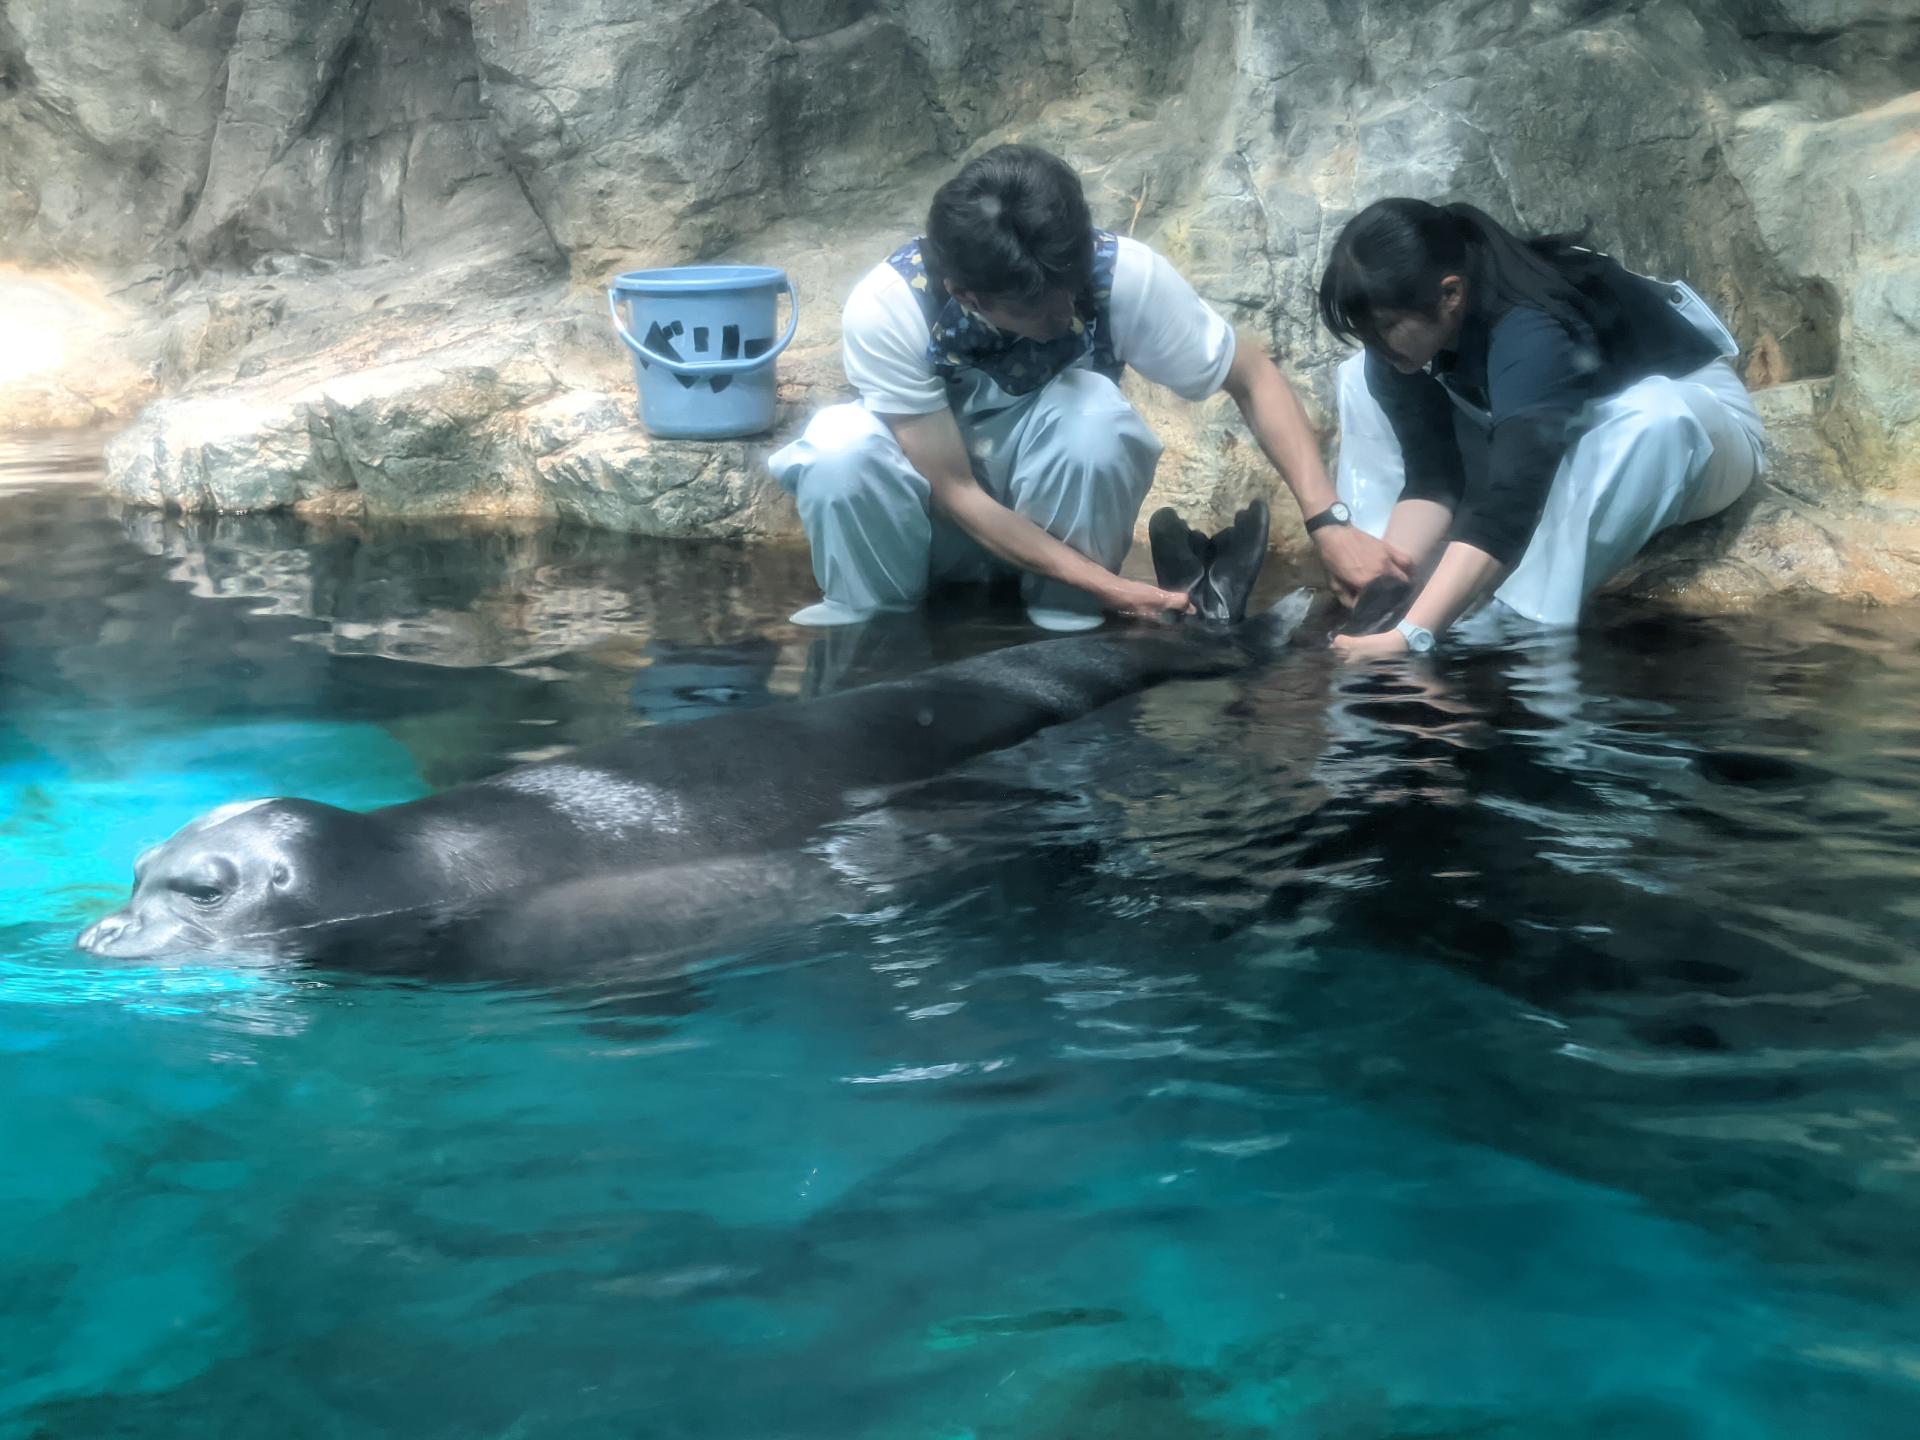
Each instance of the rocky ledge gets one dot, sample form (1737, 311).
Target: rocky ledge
(499, 401)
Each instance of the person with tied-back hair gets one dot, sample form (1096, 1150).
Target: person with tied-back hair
(991, 436)
(1524, 416)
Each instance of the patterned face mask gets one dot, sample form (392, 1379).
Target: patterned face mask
(961, 340)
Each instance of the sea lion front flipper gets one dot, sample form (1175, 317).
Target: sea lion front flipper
(1378, 607)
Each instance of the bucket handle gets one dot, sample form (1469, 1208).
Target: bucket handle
(706, 367)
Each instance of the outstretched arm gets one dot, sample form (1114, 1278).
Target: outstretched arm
(933, 446)
(1279, 423)
(1537, 379)
(1463, 574)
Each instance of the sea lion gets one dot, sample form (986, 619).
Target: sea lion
(279, 876)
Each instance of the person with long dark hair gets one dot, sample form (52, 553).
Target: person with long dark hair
(1524, 415)
(991, 435)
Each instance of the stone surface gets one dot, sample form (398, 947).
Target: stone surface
(107, 110)
(60, 362)
(1805, 528)
(1838, 202)
(620, 478)
(497, 395)
(347, 255)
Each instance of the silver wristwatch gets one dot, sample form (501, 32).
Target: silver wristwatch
(1419, 639)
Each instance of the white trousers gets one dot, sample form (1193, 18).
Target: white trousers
(1661, 452)
(1074, 457)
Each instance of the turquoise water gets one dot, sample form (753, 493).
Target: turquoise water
(1527, 1050)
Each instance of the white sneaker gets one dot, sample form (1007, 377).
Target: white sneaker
(823, 614)
(1051, 617)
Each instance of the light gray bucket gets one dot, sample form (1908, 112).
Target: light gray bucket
(704, 361)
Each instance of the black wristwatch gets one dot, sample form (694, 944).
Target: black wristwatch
(1334, 514)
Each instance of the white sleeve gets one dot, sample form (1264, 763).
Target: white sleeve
(883, 347)
(1162, 328)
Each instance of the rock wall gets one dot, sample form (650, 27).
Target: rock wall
(351, 250)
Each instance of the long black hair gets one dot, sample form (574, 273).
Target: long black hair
(1013, 224)
(1392, 256)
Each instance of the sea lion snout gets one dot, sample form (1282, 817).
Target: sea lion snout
(100, 937)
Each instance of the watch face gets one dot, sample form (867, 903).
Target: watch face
(1339, 512)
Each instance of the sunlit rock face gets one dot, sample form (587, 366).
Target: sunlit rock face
(349, 255)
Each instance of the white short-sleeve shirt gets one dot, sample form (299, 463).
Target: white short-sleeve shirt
(1159, 325)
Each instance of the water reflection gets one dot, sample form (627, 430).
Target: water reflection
(1522, 797)
(525, 596)
(460, 595)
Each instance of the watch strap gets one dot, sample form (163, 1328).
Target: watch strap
(1419, 639)
(1327, 517)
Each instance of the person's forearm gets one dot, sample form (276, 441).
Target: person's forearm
(1463, 575)
(1011, 536)
(1279, 425)
(1418, 529)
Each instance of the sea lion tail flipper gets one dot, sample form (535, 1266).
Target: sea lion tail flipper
(1179, 561)
(1238, 553)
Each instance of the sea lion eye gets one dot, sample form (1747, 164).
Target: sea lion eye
(210, 884)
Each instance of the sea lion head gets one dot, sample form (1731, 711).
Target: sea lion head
(242, 878)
